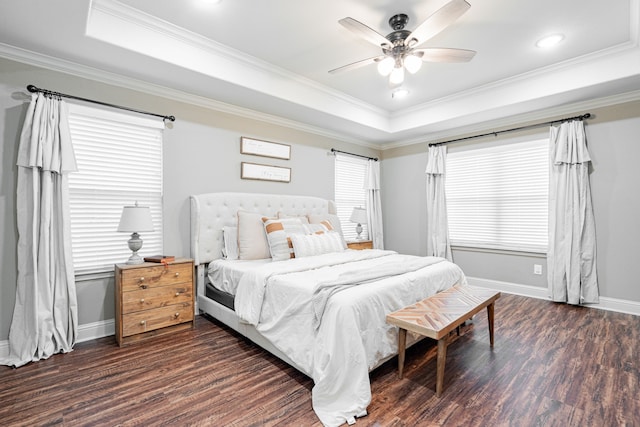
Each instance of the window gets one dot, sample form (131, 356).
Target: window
(497, 197)
(349, 192)
(119, 159)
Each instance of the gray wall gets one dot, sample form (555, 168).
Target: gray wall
(614, 142)
(201, 154)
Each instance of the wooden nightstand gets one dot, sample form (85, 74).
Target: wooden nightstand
(360, 244)
(153, 299)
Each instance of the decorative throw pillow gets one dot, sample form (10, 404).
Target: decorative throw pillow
(316, 228)
(279, 232)
(230, 242)
(252, 241)
(303, 218)
(332, 219)
(316, 244)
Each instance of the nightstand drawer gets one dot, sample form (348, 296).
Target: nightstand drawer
(148, 277)
(145, 299)
(149, 320)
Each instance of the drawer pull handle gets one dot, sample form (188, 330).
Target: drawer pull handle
(177, 294)
(177, 315)
(177, 274)
(141, 300)
(142, 322)
(141, 279)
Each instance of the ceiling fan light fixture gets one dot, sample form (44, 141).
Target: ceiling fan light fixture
(412, 63)
(386, 66)
(397, 76)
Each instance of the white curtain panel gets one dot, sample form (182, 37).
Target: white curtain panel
(437, 226)
(374, 203)
(45, 313)
(571, 258)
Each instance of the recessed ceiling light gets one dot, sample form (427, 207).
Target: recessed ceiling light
(209, 2)
(399, 93)
(549, 41)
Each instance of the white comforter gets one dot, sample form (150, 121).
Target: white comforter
(281, 299)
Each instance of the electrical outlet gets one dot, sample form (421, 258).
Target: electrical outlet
(537, 269)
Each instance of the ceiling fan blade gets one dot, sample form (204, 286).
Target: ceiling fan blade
(365, 32)
(357, 64)
(437, 22)
(443, 54)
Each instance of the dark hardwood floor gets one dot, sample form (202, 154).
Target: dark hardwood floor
(552, 365)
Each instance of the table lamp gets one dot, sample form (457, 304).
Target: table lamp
(359, 216)
(134, 219)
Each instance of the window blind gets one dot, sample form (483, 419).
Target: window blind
(497, 197)
(119, 159)
(349, 192)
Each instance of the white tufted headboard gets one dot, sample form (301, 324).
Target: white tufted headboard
(211, 211)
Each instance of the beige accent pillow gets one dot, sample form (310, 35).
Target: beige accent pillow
(252, 241)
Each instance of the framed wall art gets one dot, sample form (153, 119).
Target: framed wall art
(264, 172)
(257, 147)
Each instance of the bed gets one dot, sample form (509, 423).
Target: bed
(322, 311)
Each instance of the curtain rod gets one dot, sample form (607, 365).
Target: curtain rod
(333, 150)
(33, 89)
(581, 117)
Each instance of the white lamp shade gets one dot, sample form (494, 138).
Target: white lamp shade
(412, 63)
(397, 76)
(359, 215)
(386, 66)
(135, 219)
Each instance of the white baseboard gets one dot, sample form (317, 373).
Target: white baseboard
(94, 330)
(610, 304)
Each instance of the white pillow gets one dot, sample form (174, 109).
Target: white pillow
(230, 242)
(332, 219)
(252, 241)
(279, 232)
(316, 228)
(316, 244)
(303, 218)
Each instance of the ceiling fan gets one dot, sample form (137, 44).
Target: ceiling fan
(399, 48)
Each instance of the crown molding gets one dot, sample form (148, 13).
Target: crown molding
(141, 19)
(82, 71)
(539, 115)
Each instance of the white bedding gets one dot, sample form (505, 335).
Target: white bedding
(353, 336)
(226, 274)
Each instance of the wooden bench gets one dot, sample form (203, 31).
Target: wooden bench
(438, 315)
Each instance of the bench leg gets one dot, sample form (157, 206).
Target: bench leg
(402, 341)
(490, 309)
(442, 357)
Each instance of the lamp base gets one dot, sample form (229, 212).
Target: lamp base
(135, 243)
(135, 259)
(359, 231)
